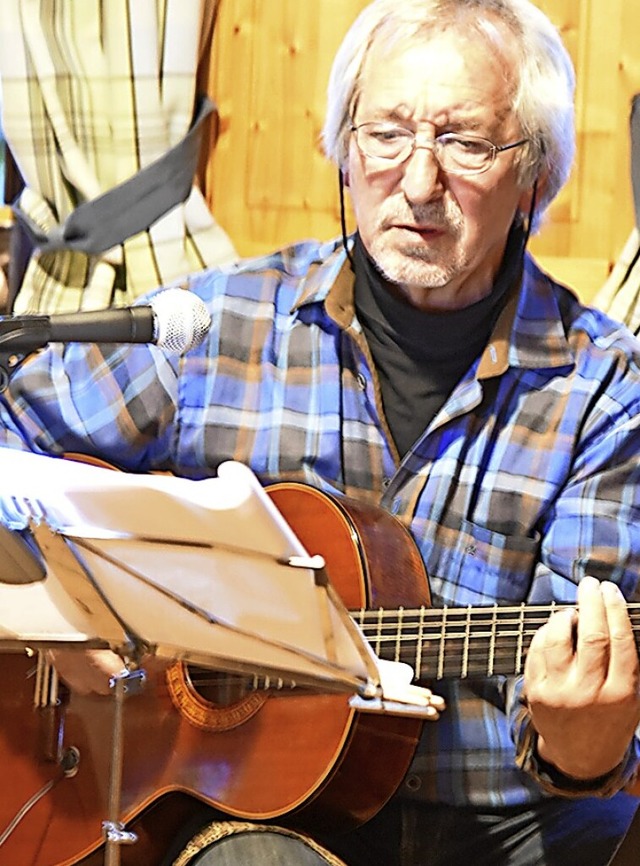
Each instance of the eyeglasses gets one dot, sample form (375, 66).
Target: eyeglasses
(455, 154)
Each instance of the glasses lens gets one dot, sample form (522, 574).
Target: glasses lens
(383, 141)
(462, 153)
(455, 153)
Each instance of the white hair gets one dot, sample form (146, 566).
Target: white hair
(543, 94)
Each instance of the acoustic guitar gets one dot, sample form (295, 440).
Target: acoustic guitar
(252, 749)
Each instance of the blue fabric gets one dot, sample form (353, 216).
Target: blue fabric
(526, 480)
(554, 833)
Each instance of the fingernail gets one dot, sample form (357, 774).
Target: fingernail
(611, 590)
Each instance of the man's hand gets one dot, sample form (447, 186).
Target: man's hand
(582, 683)
(86, 671)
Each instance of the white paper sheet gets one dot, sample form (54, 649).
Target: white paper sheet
(194, 570)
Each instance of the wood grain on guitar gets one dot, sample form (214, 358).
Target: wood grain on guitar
(254, 749)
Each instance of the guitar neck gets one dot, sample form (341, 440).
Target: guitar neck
(456, 643)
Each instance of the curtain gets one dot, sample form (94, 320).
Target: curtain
(620, 294)
(95, 94)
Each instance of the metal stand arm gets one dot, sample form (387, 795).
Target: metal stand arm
(125, 683)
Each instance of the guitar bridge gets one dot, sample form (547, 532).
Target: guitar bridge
(47, 683)
(50, 697)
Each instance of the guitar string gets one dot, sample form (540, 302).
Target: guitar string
(402, 633)
(470, 664)
(390, 628)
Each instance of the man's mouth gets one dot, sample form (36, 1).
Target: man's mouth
(426, 232)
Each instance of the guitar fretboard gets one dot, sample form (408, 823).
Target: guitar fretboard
(460, 642)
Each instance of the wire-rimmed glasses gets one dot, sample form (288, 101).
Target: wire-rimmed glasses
(454, 153)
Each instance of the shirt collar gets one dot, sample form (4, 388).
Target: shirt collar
(325, 276)
(529, 332)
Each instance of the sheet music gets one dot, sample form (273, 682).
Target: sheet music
(195, 570)
(172, 556)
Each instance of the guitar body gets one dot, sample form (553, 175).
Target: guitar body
(303, 758)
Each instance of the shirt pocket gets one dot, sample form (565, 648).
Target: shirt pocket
(473, 565)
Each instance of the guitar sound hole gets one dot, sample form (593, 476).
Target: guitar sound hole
(218, 688)
(213, 700)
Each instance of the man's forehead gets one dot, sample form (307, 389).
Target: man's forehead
(486, 32)
(443, 73)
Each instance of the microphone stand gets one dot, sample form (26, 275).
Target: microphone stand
(19, 337)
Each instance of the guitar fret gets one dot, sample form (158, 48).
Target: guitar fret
(518, 665)
(418, 660)
(442, 643)
(396, 656)
(379, 631)
(492, 641)
(467, 638)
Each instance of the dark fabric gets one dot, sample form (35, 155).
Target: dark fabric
(628, 854)
(132, 206)
(420, 356)
(555, 832)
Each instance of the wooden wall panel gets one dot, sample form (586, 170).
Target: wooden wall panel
(268, 182)
(592, 218)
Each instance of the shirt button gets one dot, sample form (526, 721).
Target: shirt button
(362, 382)
(413, 783)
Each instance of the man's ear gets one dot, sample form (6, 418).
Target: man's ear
(537, 189)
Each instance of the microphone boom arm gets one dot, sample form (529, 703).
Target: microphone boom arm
(22, 335)
(175, 320)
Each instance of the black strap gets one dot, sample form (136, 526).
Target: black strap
(132, 206)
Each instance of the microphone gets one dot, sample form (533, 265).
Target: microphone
(175, 320)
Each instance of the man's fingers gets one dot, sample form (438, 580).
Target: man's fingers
(592, 645)
(86, 671)
(558, 644)
(551, 651)
(623, 654)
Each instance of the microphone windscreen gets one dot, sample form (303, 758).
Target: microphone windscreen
(181, 320)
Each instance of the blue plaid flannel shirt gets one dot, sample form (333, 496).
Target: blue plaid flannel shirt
(526, 480)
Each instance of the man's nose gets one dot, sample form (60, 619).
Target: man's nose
(421, 180)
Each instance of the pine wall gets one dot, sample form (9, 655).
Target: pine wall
(268, 182)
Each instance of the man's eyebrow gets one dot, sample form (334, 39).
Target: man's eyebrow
(395, 115)
(463, 117)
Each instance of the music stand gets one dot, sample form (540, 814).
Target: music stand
(207, 572)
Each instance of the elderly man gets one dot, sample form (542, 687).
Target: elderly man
(425, 365)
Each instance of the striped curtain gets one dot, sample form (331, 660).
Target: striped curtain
(620, 295)
(94, 91)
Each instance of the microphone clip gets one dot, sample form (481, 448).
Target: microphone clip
(19, 336)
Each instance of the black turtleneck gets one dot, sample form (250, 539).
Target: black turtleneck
(420, 356)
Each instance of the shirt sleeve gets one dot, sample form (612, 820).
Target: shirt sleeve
(554, 782)
(118, 402)
(592, 528)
